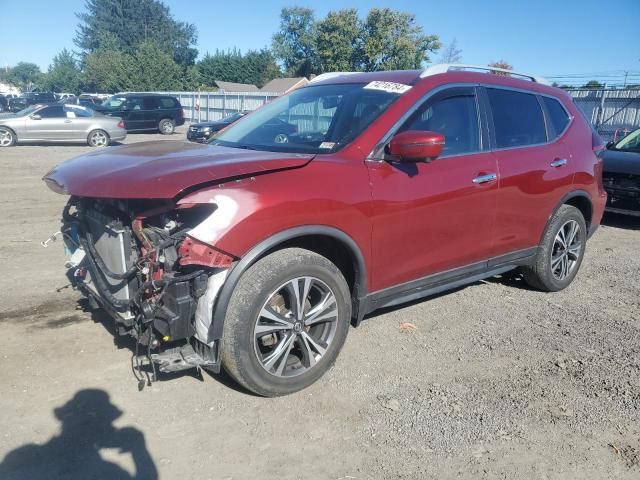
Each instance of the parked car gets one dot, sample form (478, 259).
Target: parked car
(60, 123)
(621, 174)
(4, 104)
(31, 98)
(65, 96)
(93, 103)
(203, 131)
(359, 191)
(145, 111)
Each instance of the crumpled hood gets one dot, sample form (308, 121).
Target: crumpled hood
(161, 169)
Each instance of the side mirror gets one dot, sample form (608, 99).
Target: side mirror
(610, 144)
(416, 146)
(35, 116)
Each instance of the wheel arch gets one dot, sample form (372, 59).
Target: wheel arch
(576, 198)
(15, 135)
(330, 242)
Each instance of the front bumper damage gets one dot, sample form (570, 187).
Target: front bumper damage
(157, 283)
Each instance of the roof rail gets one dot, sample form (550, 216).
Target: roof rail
(448, 67)
(328, 75)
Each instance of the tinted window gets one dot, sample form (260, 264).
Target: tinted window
(151, 103)
(557, 114)
(51, 112)
(134, 103)
(455, 116)
(517, 118)
(168, 102)
(77, 112)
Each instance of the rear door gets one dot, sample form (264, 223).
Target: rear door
(534, 164)
(152, 110)
(433, 217)
(134, 114)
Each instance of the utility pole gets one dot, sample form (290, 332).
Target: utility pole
(626, 73)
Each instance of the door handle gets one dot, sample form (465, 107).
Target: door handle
(558, 162)
(490, 177)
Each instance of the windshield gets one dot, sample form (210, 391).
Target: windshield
(630, 143)
(114, 102)
(233, 117)
(318, 119)
(28, 110)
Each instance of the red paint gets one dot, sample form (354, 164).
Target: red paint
(417, 145)
(408, 219)
(194, 252)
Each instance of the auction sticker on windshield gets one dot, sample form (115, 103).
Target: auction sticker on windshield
(391, 87)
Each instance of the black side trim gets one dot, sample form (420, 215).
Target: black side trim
(440, 282)
(359, 289)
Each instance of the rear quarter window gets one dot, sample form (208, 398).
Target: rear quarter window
(517, 118)
(558, 116)
(168, 102)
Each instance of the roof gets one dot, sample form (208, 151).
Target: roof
(283, 85)
(236, 87)
(407, 77)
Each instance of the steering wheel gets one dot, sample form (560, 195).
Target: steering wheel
(281, 138)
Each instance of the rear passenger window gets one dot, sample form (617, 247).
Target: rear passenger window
(557, 114)
(168, 102)
(517, 118)
(151, 103)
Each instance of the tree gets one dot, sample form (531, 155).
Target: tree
(294, 43)
(593, 84)
(338, 41)
(392, 40)
(24, 75)
(501, 64)
(255, 67)
(451, 53)
(107, 71)
(64, 75)
(124, 24)
(153, 69)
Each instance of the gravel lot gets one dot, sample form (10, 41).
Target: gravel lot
(496, 381)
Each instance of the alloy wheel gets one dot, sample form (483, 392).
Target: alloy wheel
(6, 138)
(567, 248)
(98, 139)
(295, 327)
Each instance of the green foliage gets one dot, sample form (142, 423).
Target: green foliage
(107, 71)
(294, 44)
(26, 76)
(64, 75)
(338, 41)
(593, 84)
(255, 67)
(125, 24)
(385, 39)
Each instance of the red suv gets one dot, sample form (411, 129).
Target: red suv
(360, 191)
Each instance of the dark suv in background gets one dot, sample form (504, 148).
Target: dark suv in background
(144, 111)
(31, 98)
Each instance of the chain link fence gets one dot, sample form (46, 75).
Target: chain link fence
(613, 113)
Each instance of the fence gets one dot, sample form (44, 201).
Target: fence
(217, 105)
(613, 113)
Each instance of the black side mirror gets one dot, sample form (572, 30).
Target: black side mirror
(610, 144)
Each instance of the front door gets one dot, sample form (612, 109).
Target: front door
(49, 123)
(433, 217)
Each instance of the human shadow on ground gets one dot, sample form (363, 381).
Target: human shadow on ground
(87, 428)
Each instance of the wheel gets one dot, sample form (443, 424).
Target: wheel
(286, 322)
(166, 126)
(98, 138)
(561, 251)
(7, 137)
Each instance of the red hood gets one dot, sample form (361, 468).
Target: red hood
(161, 169)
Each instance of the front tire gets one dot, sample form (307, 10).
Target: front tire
(166, 126)
(7, 137)
(561, 251)
(98, 138)
(286, 322)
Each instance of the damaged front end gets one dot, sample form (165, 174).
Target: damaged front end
(623, 192)
(137, 260)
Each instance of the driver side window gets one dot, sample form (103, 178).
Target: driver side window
(453, 114)
(51, 112)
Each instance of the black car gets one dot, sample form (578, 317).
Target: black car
(4, 103)
(621, 174)
(202, 132)
(31, 98)
(144, 111)
(93, 103)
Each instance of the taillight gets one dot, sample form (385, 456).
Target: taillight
(120, 124)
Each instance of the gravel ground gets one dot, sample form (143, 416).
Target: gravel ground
(495, 381)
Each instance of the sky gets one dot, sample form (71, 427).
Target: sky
(585, 38)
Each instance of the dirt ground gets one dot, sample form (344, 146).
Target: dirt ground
(496, 381)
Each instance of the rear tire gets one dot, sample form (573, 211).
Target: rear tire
(166, 126)
(267, 345)
(561, 251)
(98, 138)
(7, 137)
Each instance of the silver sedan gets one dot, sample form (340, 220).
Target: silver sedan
(60, 123)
